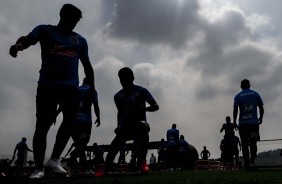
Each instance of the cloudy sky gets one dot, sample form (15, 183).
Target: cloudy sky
(190, 54)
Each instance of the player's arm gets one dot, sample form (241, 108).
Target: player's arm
(261, 113)
(96, 108)
(222, 128)
(22, 43)
(27, 148)
(16, 148)
(235, 114)
(88, 69)
(153, 106)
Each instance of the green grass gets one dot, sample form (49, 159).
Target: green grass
(265, 176)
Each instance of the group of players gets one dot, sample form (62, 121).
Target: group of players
(59, 91)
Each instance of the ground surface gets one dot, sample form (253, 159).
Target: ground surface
(260, 176)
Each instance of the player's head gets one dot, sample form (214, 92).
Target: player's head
(70, 15)
(228, 119)
(245, 84)
(205, 147)
(173, 125)
(23, 139)
(181, 137)
(126, 77)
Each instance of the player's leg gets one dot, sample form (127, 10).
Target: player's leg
(254, 137)
(244, 136)
(115, 146)
(69, 101)
(46, 106)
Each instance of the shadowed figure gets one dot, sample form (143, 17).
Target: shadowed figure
(228, 128)
(247, 101)
(61, 51)
(132, 122)
(21, 150)
(172, 136)
(205, 154)
(83, 122)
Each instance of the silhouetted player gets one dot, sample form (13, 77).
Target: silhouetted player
(172, 136)
(132, 122)
(21, 150)
(205, 154)
(61, 50)
(83, 122)
(228, 128)
(247, 101)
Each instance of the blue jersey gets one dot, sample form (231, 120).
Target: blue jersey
(183, 146)
(172, 135)
(131, 105)
(87, 98)
(60, 55)
(247, 101)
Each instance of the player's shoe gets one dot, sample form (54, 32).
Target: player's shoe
(37, 174)
(54, 166)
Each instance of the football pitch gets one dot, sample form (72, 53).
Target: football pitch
(260, 176)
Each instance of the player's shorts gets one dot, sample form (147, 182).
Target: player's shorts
(249, 132)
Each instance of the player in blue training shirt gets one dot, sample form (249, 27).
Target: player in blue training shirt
(172, 136)
(247, 101)
(132, 122)
(83, 123)
(61, 50)
(183, 149)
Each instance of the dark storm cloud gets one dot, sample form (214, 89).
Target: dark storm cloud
(155, 21)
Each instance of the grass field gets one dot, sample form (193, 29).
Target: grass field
(261, 176)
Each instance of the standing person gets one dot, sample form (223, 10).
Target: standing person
(247, 101)
(162, 151)
(183, 150)
(228, 128)
(61, 50)
(172, 136)
(132, 122)
(83, 122)
(205, 154)
(21, 150)
(153, 161)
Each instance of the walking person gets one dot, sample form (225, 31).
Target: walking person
(247, 101)
(83, 122)
(61, 50)
(21, 150)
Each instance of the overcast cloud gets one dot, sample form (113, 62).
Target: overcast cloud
(191, 55)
